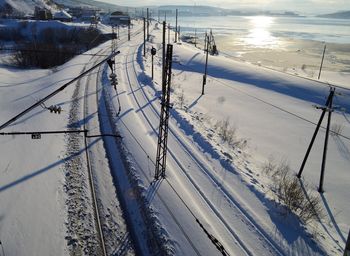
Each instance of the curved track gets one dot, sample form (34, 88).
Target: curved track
(203, 167)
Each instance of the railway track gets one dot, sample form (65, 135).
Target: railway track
(205, 169)
(73, 139)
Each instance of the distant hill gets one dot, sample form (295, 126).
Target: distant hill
(337, 15)
(24, 7)
(90, 3)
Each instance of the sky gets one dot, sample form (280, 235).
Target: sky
(306, 6)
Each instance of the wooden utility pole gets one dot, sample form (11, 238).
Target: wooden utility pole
(324, 158)
(206, 69)
(319, 73)
(176, 26)
(347, 246)
(144, 36)
(327, 107)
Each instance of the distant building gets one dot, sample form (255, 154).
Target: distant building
(42, 14)
(83, 12)
(63, 16)
(119, 19)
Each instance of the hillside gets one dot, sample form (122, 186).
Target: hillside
(337, 15)
(25, 6)
(90, 3)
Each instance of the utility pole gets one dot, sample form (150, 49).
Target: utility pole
(176, 26)
(319, 73)
(164, 118)
(169, 28)
(195, 37)
(205, 42)
(323, 167)
(129, 31)
(206, 69)
(147, 24)
(347, 246)
(163, 51)
(327, 107)
(144, 36)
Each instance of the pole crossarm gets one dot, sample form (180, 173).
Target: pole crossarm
(38, 103)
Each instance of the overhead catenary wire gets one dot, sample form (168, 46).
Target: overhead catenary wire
(56, 91)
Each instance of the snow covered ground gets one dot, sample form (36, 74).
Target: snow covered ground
(221, 186)
(213, 190)
(45, 199)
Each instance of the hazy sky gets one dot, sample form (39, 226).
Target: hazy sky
(308, 6)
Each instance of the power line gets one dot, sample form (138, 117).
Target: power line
(56, 91)
(271, 104)
(49, 51)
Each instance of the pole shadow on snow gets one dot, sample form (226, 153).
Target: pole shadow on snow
(318, 219)
(81, 122)
(342, 147)
(194, 102)
(331, 216)
(124, 245)
(45, 169)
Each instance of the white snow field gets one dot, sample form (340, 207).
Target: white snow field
(218, 185)
(46, 206)
(215, 198)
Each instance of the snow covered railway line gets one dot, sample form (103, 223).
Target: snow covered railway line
(240, 213)
(181, 228)
(78, 228)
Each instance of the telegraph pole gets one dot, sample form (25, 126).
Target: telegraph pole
(327, 107)
(323, 167)
(206, 69)
(319, 73)
(144, 36)
(164, 118)
(176, 26)
(347, 246)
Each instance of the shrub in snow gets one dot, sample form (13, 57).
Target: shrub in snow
(227, 133)
(54, 46)
(294, 196)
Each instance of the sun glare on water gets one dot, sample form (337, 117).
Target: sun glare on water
(259, 33)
